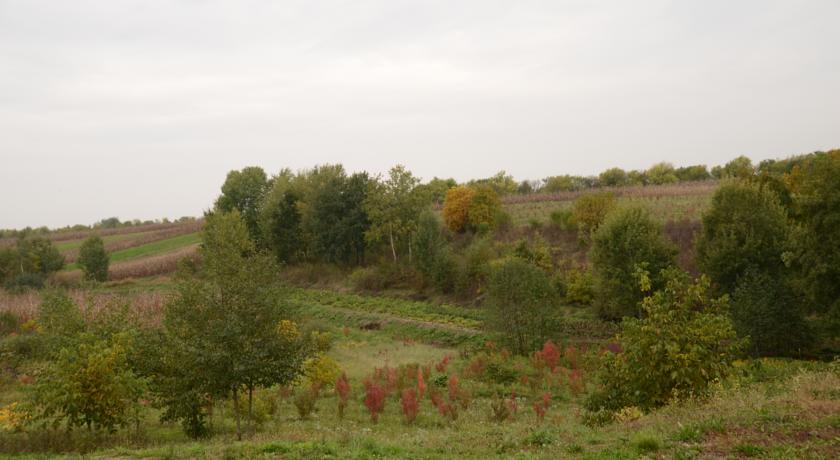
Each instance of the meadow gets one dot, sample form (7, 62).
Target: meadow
(769, 408)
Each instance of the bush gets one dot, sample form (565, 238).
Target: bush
(410, 405)
(88, 385)
(536, 252)
(589, 212)
(484, 209)
(562, 219)
(744, 229)
(374, 399)
(305, 401)
(629, 242)
(575, 286)
(522, 305)
(93, 259)
(684, 342)
(24, 281)
(321, 370)
(769, 314)
(456, 208)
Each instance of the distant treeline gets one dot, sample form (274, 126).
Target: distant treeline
(104, 224)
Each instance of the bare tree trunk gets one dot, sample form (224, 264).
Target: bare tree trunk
(250, 407)
(236, 409)
(393, 249)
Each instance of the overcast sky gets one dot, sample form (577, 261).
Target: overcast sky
(138, 109)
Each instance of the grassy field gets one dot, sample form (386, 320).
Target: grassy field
(154, 248)
(769, 408)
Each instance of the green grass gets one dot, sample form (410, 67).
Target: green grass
(151, 249)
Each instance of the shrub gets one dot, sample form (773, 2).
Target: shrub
(547, 358)
(522, 305)
(500, 410)
(744, 229)
(589, 212)
(9, 322)
(305, 401)
(484, 209)
(767, 312)
(342, 390)
(661, 173)
(628, 242)
(684, 342)
(89, 385)
(613, 177)
(456, 208)
(321, 370)
(93, 259)
(576, 286)
(562, 219)
(537, 252)
(410, 405)
(374, 399)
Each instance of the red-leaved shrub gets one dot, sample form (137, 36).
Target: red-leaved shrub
(541, 406)
(421, 384)
(441, 366)
(374, 399)
(342, 389)
(410, 404)
(548, 357)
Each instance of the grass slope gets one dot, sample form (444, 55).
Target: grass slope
(150, 249)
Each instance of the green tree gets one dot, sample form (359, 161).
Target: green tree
(281, 220)
(227, 324)
(38, 255)
(628, 243)
(243, 191)
(429, 243)
(693, 173)
(815, 187)
(661, 173)
(522, 305)
(338, 221)
(555, 184)
(739, 168)
(436, 189)
(613, 177)
(485, 209)
(683, 342)
(745, 228)
(766, 311)
(93, 259)
(589, 211)
(393, 206)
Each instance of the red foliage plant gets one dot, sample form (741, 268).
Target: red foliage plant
(374, 399)
(410, 404)
(452, 386)
(541, 406)
(342, 389)
(548, 357)
(421, 384)
(445, 409)
(441, 366)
